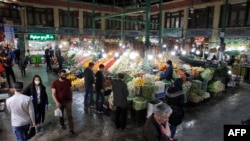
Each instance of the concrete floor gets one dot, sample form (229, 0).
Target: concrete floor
(203, 121)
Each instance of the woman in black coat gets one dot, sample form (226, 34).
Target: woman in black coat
(37, 91)
(175, 99)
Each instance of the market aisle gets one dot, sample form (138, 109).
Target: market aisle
(203, 122)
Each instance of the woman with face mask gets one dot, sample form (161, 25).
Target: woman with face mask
(37, 91)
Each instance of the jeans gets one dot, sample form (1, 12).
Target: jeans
(21, 132)
(68, 107)
(173, 130)
(88, 97)
(99, 104)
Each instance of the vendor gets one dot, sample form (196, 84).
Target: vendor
(168, 73)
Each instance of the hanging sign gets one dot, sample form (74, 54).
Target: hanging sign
(41, 37)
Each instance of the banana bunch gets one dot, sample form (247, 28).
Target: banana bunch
(71, 76)
(139, 81)
(77, 83)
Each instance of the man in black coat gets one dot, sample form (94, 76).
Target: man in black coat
(120, 93)
(89, 80)
(175, 100)
(99, 89)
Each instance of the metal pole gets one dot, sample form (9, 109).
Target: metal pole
(123, 30)
(93, 24)
(147, 31)
(160, 25)
(68, 19)
(223, 25)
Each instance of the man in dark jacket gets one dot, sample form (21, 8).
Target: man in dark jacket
(120, 93)
(99, 89)
(175, 100)
(89, 80)
(7, 64)
(156, 127)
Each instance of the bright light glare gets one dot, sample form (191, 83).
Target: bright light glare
(184, 52)
(150, 57)
(160, 55)
(197, 52)
(173, 53)
(116, 54)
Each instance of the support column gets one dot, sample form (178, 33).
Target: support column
(216, 21)
(160, 25)
(93, 25)
(56, 24)
(22, 42)
(223, 25)
(103, 25)
(123, 30)
(68, 19)
(147, 31)
(80, 21)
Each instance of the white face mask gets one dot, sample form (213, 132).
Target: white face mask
(37, 82)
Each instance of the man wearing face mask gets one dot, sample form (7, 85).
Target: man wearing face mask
(37, 91)
(62, 96)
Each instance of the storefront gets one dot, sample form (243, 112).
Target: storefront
(38, 42)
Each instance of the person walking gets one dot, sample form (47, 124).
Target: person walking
(7, 63)
(62, 96)
(89, 80)
(22, 112)
(37, 91)
(99, 89)
(48, 57)
(28, 56)
(120, 94)
(156, 127)
(175, 99)
(17, 55)
(22, 65)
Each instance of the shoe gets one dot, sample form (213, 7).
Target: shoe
(100, 112)
(63, 127)
(72, 132)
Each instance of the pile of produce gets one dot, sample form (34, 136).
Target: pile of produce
(139, 103)
(148, 90)
(216, 86)
(77, 83)
(207, 74)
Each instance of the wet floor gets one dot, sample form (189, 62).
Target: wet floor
(203, 122)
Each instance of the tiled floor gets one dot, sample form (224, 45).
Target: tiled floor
(203, 122)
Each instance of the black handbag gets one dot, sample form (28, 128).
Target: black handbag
(31, 132)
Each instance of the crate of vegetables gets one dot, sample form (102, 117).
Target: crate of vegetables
(148, 90)
(139, 103)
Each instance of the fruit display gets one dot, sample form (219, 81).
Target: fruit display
(70, 76)
(77, 83)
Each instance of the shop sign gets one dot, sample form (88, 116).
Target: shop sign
(236, 32)
(44, 30)
(65, 30)
(41, 37)
(172, 32)
(199, 33)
